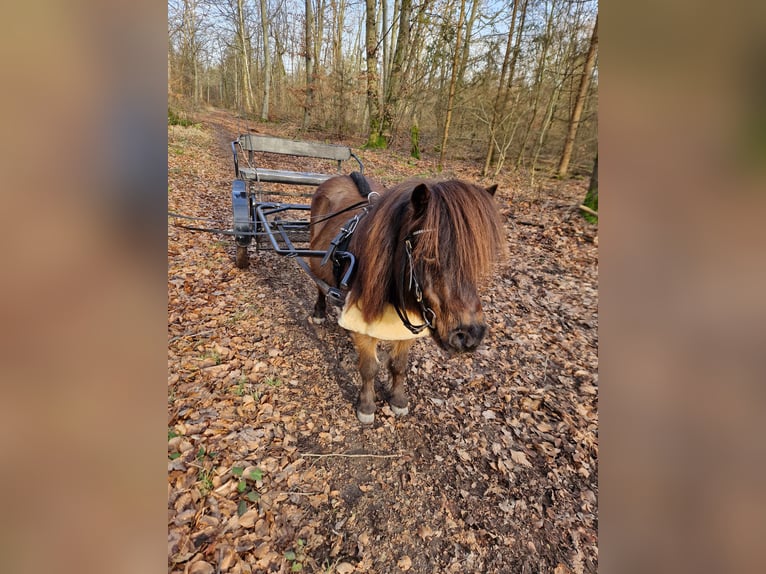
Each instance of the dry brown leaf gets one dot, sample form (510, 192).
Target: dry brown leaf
(425, 531)
(229, 556)
(404, 563)
(345, 568)
(520, 458)
(261, 550)
(201, 567)
(247, 520)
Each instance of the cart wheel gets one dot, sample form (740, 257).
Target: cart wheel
(243, 261)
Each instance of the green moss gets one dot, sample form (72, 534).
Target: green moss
(414, 148)
(175, 119)
(376, 141)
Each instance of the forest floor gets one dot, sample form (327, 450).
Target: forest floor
(495, 469)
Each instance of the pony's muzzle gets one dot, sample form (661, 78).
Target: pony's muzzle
(466, 337)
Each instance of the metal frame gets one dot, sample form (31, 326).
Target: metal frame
(281, 227)
(255, 218)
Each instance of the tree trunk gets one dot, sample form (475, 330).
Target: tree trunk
(247, 88)
(505, 91)
(266, 62)
(395, 80)
(501, 88)
(538, 83)
(574, 122)
(548, 118)
(340, 105)
(415, 139)
(591, 198)
(452, 84)
(467, 41)
(385, 41)
(375, 138)
(309, 55)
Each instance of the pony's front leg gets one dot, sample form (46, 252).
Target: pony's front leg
(368, 368)
(398, 366)
(320, 308)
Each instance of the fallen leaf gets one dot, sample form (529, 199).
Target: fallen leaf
(247, 520)
(544, 427)
(425, 531)
(201, 567)
(405, 563)
(228, 559)
(344, 568)
(520, 458)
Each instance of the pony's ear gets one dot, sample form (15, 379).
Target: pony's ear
(420, 196)
(492, 189)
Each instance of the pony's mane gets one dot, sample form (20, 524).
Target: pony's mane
(459, 237)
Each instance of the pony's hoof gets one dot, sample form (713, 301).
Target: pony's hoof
(317, 320)
(364, 418)
(399, 411)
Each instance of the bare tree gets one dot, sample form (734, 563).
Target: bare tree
(501, 97)
(243, 38)
(453, 83)
(266, 62)
(574, 121)
(309, 56)
(375, 137)
(545, 41)
(591, 198)
(395, 79)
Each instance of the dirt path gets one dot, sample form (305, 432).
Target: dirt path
(495, 468)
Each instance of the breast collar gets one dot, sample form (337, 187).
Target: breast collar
(339, 246)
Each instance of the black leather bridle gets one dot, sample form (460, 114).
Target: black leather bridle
(409, 277)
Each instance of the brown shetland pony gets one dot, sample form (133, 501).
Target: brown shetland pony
(421, 248)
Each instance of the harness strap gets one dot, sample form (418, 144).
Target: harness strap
(413, 285)
(340, 211)
(363, 186)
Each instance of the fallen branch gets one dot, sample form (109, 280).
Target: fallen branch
(346, 455)
(302, 493)
(524, 222)
(190, 335)
(587, 209)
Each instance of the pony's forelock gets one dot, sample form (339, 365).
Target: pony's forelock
(459, 235)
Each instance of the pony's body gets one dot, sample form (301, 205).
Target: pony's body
(420, 251)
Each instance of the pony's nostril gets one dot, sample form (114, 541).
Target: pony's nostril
(462, 340)
(467, 338)
(477, 332)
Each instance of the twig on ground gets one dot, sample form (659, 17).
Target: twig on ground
(346, 455)
(587, 209)
(524, 222)
(190, 335)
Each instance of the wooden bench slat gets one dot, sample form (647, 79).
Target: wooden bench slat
(282, 176)
(259, 143)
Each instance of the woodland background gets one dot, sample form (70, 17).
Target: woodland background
(506, 84)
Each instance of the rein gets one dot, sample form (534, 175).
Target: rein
(356, 205)
(408, 268)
